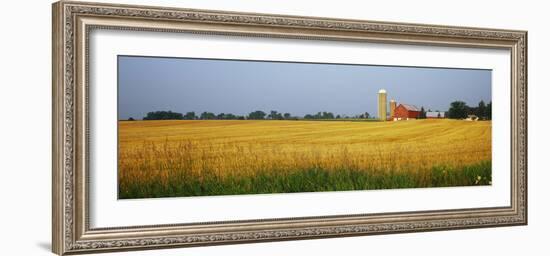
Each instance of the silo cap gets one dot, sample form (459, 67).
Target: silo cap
(382, 91)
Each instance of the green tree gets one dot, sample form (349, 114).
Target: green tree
(458, 110)
(230, 116)
(488, 111)
(481, 110)
(190, 116)
(207, 116)
(272, 114)
(163, 115)
(257, 115)
(131, 119)
(275, 115)
(422, 114)
(287, 116)
(327, 115)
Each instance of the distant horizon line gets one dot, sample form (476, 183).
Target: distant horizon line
(198, 113)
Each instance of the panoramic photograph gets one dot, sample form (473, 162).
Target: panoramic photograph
(211, 127)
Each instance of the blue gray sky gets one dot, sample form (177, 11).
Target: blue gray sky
(148, 84)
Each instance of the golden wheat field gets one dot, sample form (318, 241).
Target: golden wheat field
(154, 155)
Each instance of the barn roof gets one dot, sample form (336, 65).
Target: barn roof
(410, 107)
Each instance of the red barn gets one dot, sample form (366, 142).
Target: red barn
(405, 111)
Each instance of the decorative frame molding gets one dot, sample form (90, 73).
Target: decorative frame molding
(72, 22)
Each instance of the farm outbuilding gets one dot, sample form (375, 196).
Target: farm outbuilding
(406, 112)
(435, 114)
(472, 118)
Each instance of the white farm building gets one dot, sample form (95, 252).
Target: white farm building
(435, 114)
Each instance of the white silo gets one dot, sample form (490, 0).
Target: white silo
(382, 105)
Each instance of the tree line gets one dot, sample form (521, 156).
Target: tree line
(457, 110)
(255, 115)
(461, 110)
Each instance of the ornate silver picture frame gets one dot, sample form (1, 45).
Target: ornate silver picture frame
(74, 21)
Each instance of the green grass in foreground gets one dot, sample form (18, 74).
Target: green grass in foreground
(311, 180)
